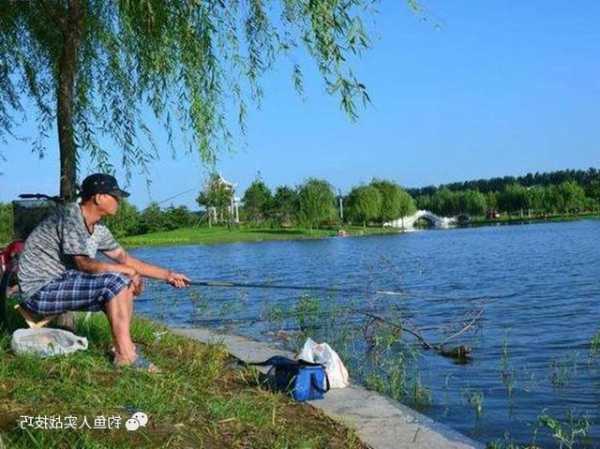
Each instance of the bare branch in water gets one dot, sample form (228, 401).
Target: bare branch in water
(461, 352)
(469, 325)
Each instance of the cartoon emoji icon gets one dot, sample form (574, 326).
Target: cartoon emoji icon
(132, 424)
(141, 417)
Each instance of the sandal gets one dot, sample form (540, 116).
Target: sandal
(143, 364)
(111, 352)
(140, 363)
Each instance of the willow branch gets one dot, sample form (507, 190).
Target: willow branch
(53, 14)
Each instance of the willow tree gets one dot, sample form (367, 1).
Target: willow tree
(93, 67)
(364, 204)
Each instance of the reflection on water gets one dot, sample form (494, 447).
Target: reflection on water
(531, 355)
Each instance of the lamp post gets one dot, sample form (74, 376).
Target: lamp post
(341, 205)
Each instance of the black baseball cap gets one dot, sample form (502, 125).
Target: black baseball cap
(101, 183)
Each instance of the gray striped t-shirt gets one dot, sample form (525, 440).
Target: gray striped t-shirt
(50, 248)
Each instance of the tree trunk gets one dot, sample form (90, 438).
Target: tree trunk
(67, 70)
(72, 28)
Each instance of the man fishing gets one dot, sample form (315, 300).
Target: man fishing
(59, 272)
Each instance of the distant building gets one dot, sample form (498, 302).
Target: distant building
(233, 208)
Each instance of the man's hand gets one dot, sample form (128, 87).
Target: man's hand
(128, 271)
(138, 284)
(178, 280)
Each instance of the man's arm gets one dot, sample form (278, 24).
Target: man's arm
(122, 257)
(89, 265)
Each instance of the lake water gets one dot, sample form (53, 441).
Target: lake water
(539, 285)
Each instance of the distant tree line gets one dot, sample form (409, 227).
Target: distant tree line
(314, 203)
(129, 220)
(568, 197)
(585, 178)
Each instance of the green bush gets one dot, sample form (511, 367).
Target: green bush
(6, 222)
(126, 222)
(130, 221)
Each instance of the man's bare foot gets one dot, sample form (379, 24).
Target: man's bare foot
(123, 359)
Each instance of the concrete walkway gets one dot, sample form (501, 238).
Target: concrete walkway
(380, 422)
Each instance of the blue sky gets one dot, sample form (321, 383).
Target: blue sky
(479, 89)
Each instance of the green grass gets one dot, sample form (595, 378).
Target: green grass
(219, 234)
(201, 399)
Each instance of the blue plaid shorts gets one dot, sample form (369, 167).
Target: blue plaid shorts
(76, 290)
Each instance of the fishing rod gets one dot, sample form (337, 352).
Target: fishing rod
(226, 284)
(175, 196)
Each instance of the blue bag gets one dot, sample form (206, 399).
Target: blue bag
(304, 381)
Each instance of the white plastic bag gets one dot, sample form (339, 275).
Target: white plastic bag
(323, 353)
(46, 342)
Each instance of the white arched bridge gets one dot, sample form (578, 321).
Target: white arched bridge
(409, 222)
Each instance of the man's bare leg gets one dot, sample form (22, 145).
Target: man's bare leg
(119, 311)
(65, 321)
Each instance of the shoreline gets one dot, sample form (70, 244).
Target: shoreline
(530, 220)
(220, 235)
(379, 421)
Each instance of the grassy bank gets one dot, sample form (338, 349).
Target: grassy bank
(218, 234)
(200, 400)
